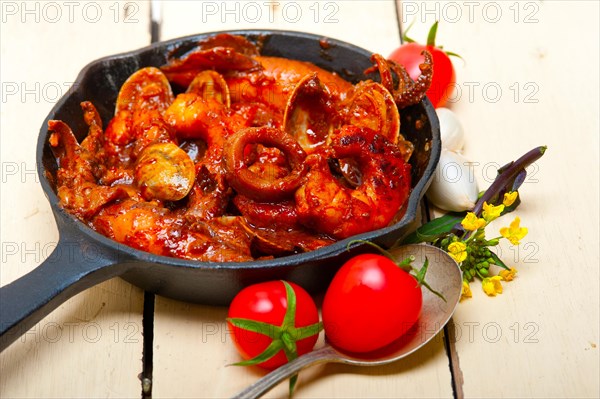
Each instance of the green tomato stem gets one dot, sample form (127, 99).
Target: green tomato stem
(432, 34)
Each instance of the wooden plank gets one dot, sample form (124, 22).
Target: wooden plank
(539, 338)
(193, 348)
(191, 345)
(343, 20)
(91, 346)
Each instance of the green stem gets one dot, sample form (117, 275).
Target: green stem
(432, 34)
(405, 35)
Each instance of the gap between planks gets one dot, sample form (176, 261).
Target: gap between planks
(149, 298)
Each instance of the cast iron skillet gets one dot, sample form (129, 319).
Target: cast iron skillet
(84, 258)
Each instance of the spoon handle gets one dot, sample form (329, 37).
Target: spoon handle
(266, 383)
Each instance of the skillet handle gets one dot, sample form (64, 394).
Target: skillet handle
(73, 266)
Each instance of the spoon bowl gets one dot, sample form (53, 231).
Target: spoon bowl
(443, 275)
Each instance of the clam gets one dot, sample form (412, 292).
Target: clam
(309, 114)
(211, 84)
(146, 88)
(370, 106)
(164, 172)
(373, 106)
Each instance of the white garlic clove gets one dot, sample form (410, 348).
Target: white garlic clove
(454, 187)
(451, 130)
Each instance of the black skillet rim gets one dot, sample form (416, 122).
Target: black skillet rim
(329, 251)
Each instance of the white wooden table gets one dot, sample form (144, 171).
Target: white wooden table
(531, 77)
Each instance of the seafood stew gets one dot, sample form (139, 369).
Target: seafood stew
(226, 155)
(84, 258)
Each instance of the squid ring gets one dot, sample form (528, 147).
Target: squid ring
(257, 187)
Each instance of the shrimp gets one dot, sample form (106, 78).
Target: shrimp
(326, 205)
(203, 112)
(150, 227)
(193, 116)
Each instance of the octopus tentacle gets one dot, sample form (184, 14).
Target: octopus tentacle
(382, 65)
(257, 187)
(326, 205)
(408, 92)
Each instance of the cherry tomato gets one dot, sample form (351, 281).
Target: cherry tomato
(370, 303)
(444, 76)
(267, 303)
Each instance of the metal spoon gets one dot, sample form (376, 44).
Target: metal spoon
(443, 275)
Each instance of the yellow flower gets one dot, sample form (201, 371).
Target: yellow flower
(514, 233)
(458, 251)
(508, 275)
(471, 222)
(466, 291)
(492, 286)
(510, 198)
(491, 212)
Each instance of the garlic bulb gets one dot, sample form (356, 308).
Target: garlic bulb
(451, 131)
(454, 187)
